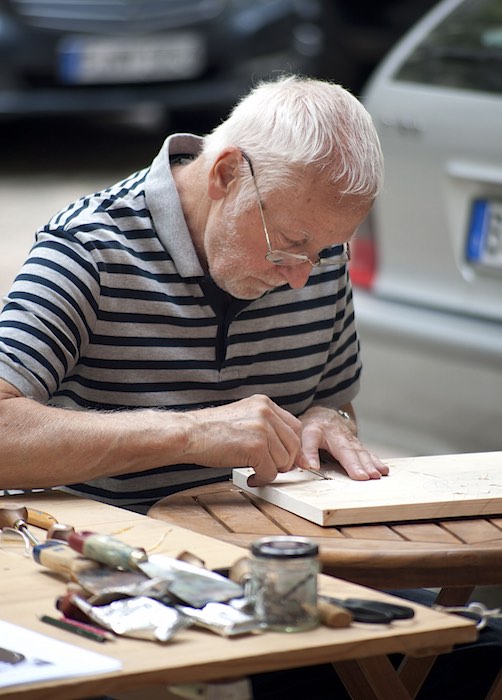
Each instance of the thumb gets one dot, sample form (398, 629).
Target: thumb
(308, 456)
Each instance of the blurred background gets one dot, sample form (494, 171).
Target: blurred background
(89, 90)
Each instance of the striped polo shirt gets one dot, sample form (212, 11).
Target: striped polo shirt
(112, 310)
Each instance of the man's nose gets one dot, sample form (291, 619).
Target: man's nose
(296, 275)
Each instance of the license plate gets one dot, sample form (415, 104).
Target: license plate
(87, 60)
(484, 241)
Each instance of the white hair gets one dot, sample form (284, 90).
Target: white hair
(295, 121)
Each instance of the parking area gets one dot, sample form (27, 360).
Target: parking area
(47, 165)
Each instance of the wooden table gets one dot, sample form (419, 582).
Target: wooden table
(454, 554)
(359, 651)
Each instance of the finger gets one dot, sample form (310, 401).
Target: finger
(373, 465)
(312, 439)
(284, 439)
(262, 476)
(278, 458)
(360, 464)
(324, 429)
(281, 445)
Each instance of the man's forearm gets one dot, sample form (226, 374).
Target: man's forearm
(43, 446)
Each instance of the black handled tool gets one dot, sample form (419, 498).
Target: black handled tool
(372, 611)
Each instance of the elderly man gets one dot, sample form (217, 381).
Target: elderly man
(198, 313)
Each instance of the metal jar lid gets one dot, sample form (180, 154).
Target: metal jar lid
(284, 546)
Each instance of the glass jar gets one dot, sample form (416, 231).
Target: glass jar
(283, 573)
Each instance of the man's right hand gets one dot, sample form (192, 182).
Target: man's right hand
(253, 432)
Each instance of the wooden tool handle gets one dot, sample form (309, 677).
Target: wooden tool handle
(332, 615)
(39, 518)
(63, 559)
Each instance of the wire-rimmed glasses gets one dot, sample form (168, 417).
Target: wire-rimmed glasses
(281, 257)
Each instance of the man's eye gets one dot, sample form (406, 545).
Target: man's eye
(289, 242)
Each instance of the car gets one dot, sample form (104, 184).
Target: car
(427, 263)
(81, 57)
(166, 57)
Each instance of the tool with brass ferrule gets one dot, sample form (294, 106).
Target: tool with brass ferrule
(16, 517)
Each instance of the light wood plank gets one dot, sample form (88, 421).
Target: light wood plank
(417, 488)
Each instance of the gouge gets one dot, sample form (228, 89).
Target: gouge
(16, 518)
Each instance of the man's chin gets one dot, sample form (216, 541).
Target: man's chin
(246, 296)
(246, 292)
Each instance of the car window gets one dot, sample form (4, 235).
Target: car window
(463, 51)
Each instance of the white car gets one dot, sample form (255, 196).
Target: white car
(427, 265)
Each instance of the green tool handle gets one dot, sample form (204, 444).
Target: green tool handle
(107, 550)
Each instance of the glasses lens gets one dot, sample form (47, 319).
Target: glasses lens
(279, 257)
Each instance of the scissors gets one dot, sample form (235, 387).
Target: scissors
(372, 611)
(475, 611)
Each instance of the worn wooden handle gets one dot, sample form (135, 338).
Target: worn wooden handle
(332, 615)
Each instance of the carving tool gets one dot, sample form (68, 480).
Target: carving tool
(334, 616)
(194, 585)
(92, 576)
(316, 472)
(108, 550)
(59, 557)
(371, 611)
(16, 517)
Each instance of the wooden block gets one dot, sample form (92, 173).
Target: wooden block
(417, 488)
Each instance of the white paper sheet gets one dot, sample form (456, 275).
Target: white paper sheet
(27, 657)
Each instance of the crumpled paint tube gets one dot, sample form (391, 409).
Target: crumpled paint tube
(136, 617)
(222, 619)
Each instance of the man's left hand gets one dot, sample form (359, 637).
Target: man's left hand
(325, 429)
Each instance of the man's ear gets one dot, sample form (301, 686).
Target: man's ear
(224, 173)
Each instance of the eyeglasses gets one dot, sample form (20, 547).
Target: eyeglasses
(281, 257)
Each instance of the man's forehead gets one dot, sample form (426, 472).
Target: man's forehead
(307, 219)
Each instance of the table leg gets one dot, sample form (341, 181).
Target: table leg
(236, 689)
(454, 595)
(373, 678)
(495, 692)
(414, 670)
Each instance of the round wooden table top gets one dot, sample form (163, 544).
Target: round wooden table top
(457, 552)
